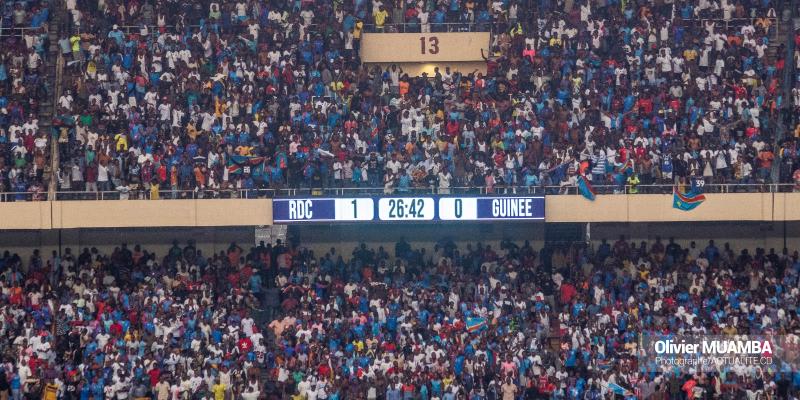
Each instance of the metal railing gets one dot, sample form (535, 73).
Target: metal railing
(17, 31)
(6, 197)
(407, 27)
(431, 27)
(415, 27)
(128, 29)
(369, 28)
(731, 23)
(168, 194)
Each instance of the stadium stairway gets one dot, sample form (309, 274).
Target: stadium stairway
(783, 36)
(781, 32)
(58, 15)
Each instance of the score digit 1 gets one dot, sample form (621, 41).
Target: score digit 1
(356, 209)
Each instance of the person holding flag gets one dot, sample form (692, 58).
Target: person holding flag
(690, 200)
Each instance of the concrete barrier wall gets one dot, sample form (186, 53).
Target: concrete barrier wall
(658, 208)
(26, 215)
(135, 214)
(755, 207)
(162, 213)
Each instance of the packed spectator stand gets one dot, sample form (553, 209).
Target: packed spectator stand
(372, 323)
(24, 152)
(174, 97)
(168, 99)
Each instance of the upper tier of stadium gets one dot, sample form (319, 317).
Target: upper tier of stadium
(210, 99)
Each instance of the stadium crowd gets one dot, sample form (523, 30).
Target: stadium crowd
(282, 322)
(789, 152)
(208, 96)
(24, 158)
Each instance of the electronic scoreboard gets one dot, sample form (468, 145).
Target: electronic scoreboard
(417, 208)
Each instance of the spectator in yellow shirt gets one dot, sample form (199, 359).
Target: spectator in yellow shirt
(690, 54)
(357, 28)
(50, 391)
(337, 86)
(122, 141)
(75, 40)
(380, 18)
(219, 391)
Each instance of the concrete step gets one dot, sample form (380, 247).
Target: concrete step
(47, 109)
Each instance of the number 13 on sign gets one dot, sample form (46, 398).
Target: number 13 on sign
(429, 44)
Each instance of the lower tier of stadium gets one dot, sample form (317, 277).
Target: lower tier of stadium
(404, 311)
